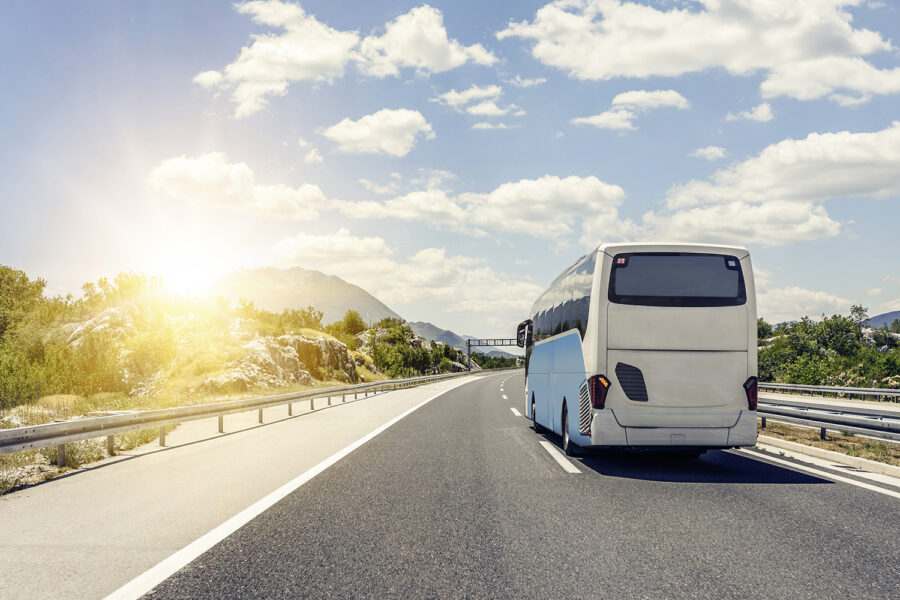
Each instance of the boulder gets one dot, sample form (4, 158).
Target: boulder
(321, 352)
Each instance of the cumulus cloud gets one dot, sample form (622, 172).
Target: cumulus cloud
(487, 125)
(626, 105)
(455, 283)
(792, 303)
(761, 113)
(418, 40)
(611, 119)
(820, 167)
(803, 49)
(643, 99)
(710, 152)
(308, 50)
(387, 131)
(874, 291)
(209, 180)
(313, 157)
(526, 82)
(488, 108)
(457, 100)
(388, 188)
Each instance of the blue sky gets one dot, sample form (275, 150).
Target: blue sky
(452, 158)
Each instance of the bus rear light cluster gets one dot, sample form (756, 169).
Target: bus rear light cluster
(598, 386)
(751, 386)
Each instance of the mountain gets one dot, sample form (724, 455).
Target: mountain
(879, 321)
(430, 332)
(278, 289)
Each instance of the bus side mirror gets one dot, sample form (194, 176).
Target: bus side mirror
(523, 334)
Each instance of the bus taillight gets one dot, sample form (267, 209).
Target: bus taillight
(598, 385)
(751, 386)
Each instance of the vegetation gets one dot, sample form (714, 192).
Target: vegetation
(398, 352)
(846, 443)
(492, 362)
(348, 329)
(834, 350)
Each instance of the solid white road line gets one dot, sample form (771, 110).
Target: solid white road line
(559, 457)
(515, 412)
(505, 397)
(817, 472)
(145, 582)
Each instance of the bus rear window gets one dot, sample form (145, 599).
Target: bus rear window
(676, 279)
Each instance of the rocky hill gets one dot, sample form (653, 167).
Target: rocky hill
(432, 332)
(879, 321)
(277, 289)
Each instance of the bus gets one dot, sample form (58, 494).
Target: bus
(646, 345)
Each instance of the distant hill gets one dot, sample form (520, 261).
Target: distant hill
(278, 289)
(430, 332)
(879, 321)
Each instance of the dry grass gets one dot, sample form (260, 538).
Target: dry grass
(845, 443)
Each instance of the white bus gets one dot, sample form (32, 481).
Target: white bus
(646, 345)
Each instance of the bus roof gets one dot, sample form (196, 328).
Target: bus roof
(616, 248)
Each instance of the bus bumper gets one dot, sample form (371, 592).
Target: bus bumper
(606, 431)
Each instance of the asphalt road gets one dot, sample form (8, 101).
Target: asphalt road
(460, 500)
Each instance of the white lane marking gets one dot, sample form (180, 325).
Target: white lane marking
(515, 412)
(505, 397)
(559, 457)
(822, 474)
(148, 580)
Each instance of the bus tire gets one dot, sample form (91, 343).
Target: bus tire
(569, 447)
(534, 424)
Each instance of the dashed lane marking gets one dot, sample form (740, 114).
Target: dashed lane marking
(515, 412)
(505, 397)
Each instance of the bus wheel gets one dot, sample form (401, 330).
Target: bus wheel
(568, 447)
(534, 424)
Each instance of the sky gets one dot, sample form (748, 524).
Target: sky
(452, 158)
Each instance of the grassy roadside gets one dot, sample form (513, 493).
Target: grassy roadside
(845, 443)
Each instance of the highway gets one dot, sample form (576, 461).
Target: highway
(460, 499)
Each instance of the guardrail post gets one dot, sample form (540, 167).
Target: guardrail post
(290, 409)
(329, 400)
(162, 435)
(312, 404)
(354, 395)
(822, 433)
(111, 445)
(343, 397)
(61, 455)
(221, 423)
(763, 422)
(260, 416)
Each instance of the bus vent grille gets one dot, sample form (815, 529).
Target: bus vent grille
(632, 381)
(584, 410)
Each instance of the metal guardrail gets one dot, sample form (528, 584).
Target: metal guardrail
(824, 390)
(60, 433)
(871, 422)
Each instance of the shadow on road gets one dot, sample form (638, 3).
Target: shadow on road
(715, 466)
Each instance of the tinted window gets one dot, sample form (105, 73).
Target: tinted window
(565, 305)
(676, 279)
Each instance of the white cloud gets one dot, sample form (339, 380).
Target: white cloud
(308, 50)
(891, 305)
(611, 119)
(486, 125)
(455, 283)
(643, 99)
(710, 152)
(390, 188)
(459, 99)
(525, 82)
(547, 207)
(820, 167)
(761, 113)
(302, 143)
(891, 279)
(792, 303)
(874, 291)
(803, 49)
(209, 180)
(313, 157)
(387, 131)
(208, 79)
(418, 40)
(488, 108)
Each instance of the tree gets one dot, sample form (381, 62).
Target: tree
(19, 296)
(353, 323)
(859, 314)
(763, 329)
(895, 326)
